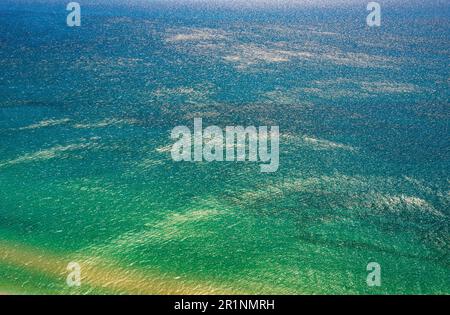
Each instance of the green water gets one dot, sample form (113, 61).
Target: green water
(87, 176)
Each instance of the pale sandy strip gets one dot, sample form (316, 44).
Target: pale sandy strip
(104, 276)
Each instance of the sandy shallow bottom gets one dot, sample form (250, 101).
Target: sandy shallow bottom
(98, 275)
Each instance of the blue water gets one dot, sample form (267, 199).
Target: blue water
(85, 121)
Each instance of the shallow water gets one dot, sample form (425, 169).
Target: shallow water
(86, 175)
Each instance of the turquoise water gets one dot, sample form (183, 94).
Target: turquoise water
(87, 176)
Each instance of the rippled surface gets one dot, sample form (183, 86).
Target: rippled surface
(86, 173)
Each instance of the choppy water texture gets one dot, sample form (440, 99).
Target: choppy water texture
(86, 173)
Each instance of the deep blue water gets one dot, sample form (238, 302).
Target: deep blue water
(85, 120)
